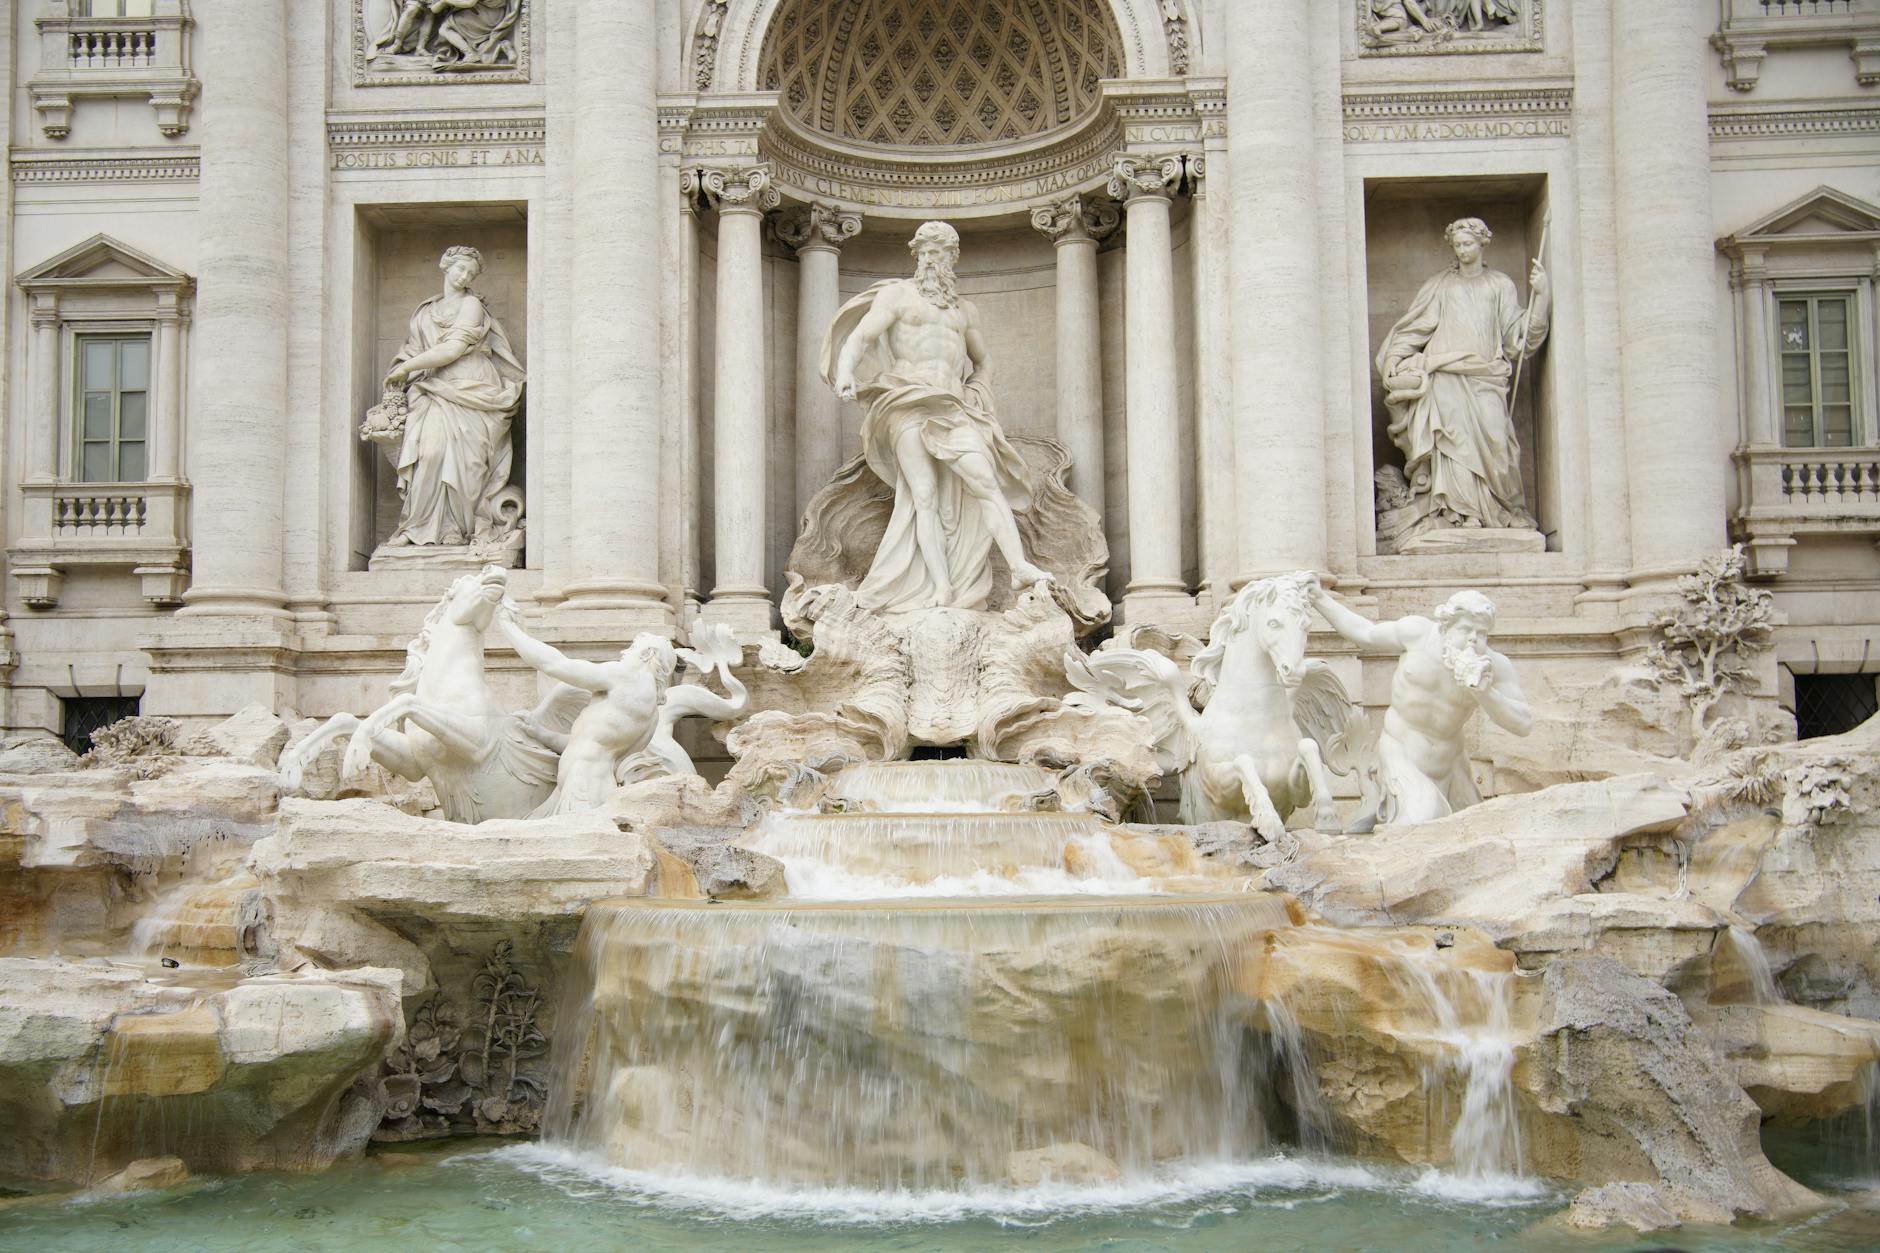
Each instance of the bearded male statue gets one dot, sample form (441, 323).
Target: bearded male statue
(911, 350)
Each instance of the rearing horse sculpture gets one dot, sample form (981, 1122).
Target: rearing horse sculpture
(1258, 748)
(443, 723)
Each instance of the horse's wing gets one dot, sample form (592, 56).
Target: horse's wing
(558, 709)
(1324, 711)
(1145, 683)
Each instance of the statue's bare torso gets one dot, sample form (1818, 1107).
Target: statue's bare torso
(927, 341)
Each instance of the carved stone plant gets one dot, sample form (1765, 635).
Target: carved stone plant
(1705, 645)
(475, 1073)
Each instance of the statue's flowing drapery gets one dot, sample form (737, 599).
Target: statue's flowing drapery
(951, 425)
(456, 454)
(1460, 451)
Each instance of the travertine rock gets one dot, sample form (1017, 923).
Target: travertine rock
(142, 1175)
(1493, 866)
(253, 735)
(100, 1066)
(1078, 1165)
(721, 869)
(38, 754)
(1795, 1063)
(1645, 1097)
(1637, 1205)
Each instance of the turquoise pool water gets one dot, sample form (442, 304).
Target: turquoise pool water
(517, 1197)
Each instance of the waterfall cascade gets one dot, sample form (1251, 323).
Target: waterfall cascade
(957, 991)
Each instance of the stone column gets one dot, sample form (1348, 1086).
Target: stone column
(239, 407)
(1214, 393)
(1675, 467)
(1273, 333)
(1759, 426)
(616, 423)
(817, 233)
(740, 598)
(691, 486)
(166, 415)
(1074, 225)
(47, 415)
(1156, 592)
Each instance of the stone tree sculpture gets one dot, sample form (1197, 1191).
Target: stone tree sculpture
(1704, 646)
(1446, 367)
(1420, 770)
(444, 421)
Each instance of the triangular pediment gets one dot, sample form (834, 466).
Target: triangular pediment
(1823, 213)
(102, 261)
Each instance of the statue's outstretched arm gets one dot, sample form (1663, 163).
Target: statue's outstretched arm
(550, 660)
(1386, 637)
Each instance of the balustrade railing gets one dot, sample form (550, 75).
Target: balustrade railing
(101, 515)
(113, 48)
(1805, 8)
(1852, 480)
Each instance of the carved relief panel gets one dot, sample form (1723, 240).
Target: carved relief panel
(430, 42)
(1410, 27)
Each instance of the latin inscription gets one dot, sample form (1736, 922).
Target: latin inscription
(1423, 132)
(436, 158)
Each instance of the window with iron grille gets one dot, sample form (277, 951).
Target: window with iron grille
(1829, 704)
(84, 714)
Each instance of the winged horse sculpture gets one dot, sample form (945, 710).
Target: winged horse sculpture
(443, 723)
(1270, 720)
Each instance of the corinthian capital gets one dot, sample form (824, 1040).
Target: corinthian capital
(741, 188)
(1075, 217)
(819, 224)
(1135, 176)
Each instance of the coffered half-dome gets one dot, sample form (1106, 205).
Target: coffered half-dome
(927, 73)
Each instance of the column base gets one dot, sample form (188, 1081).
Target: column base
(1169, 608)
(207, 668)
(614, 608)
(749, 614)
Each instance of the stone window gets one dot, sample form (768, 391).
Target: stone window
(102, 482)
(1815, 340)
(112, 408)
(116, 8)
(1808, 461)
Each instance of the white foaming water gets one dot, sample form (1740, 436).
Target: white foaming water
(1100, 872)
(1754, 960)
(744, 1200)
(1485, 1142)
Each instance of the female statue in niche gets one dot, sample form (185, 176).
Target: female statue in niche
(449, 398)
(1446, 367)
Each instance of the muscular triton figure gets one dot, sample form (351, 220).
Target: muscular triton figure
(620, 720)
(1448, 671)
(912, 351)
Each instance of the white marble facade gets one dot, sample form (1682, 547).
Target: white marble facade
(1188, 227)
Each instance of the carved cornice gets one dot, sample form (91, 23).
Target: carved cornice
(739, 188)
(450, 132)
(1816, 123)
(172, 166)
(819, 224)
(1076, 218)
(1538, 111)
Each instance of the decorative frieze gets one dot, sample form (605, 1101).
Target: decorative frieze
(1728, 124)
(1435, 27)
(174, 166)
(413, 43)
(437, 143)
(1542, 112)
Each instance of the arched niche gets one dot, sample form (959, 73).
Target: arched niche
(736, 48)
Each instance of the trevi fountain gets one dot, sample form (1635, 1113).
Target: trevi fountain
(959, 894)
